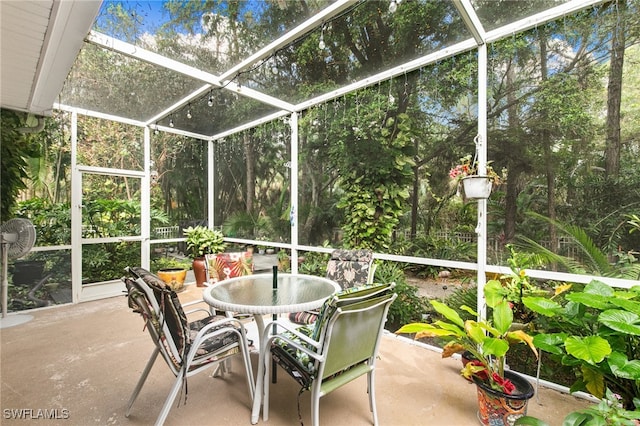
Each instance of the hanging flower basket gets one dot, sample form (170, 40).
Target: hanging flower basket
(477, 187)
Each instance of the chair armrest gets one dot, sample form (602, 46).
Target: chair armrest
(193, 302)
(294, 344)
(213, 329)
(209, 310)
(269, 334)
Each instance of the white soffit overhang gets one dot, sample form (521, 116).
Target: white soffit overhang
(39, 42)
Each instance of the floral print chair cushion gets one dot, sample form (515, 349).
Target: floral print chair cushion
(222, 266)
(349, 268)
(166, 311)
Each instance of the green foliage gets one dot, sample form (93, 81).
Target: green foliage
(243, 225)
(608, 412)
(487, 340)
(16, 149)
(597, 332)
(170, 262)
(106, 262)
(375, 186)
(202, 240)
(409, 305)
(591, 259)
(463, 297)
(315, 263)
(440, 248)
(609, 201)
(516, 285)
(52, 221)
(284, 261)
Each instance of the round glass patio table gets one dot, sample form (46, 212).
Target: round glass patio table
(256, 294)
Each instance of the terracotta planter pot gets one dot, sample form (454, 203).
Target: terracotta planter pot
(173, 277)
(200, 271)
(497, 408)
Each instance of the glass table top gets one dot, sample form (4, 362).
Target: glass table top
(256, 293)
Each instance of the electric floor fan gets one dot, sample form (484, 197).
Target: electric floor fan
(17, 237)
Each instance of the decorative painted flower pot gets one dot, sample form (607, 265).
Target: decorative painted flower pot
(476, 187)
(173, 277)
(496, 408)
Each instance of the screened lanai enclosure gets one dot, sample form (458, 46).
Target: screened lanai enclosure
(311, 125)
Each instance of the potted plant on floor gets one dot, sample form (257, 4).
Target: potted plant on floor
(502, 394)
(172, 271)
(201, 240)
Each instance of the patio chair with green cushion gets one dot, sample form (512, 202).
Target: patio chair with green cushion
(342, 346)
(349, 268)
(187, 347)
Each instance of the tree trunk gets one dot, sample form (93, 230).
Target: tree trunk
(251, 172)
(511, 208)
(614, 93)
(548, 152)
(415, 198)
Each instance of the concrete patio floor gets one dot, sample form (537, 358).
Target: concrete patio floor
(81, 363)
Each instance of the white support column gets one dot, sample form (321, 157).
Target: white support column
(481, 150)
(210, 184)
(76, 214)
(293, 122)
(145, 203)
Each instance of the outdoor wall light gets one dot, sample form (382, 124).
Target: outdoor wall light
(210, 101)
(171, 122)
(189, 113)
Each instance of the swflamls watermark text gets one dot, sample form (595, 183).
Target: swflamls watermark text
(35, 413)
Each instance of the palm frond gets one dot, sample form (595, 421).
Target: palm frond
(594, 260)
(548, 257)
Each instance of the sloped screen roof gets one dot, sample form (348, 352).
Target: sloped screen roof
(217, 65)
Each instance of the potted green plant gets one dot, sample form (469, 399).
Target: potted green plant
(475, 186)
(172, 271)
(201, 241)
(488, 341)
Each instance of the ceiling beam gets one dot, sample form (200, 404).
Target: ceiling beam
(156, 59)
(291, 36)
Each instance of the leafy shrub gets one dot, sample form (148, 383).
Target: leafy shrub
(409, 306)
(463, 297)
(440, 248)
(314, 264)
(597, 332)
(170, 262)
